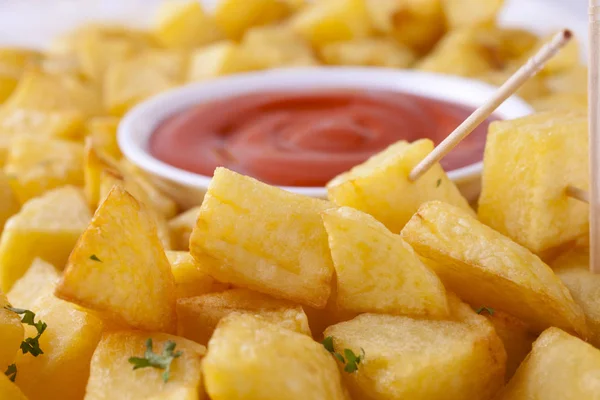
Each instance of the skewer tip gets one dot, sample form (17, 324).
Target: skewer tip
(567, 34)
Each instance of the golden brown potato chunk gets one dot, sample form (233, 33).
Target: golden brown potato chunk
(36, 165)
(263, 238)
(181, 228)
(71, 336)
(560, 366)
(46, 227)
(329, 21)
(417, 24)
(184, 24)
(377, 271)
(486, 268)
(515, 335)
(119, 267)
(112, 376)
(380, 185)
(39, 281)
(190, 279)
(464, 13)
(271, 363)
(523, 192)
(198, 316)
(235, 17)
(373, 52)
(573, 269)
(405, 358)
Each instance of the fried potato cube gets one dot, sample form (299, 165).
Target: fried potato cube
(190, 279)
(573, 270)
(103, 134)
(39, 281)
(109, 179)
(47, 92)
(96, 51)
(46, 227)
(10, 391)
(182, 226)
(266, 47)
(133, 80)
(516, 338)
(9, 205)
(197, 317)
(68, 343)
(560, 366)
(484, 267)
(221, 58)
(405, 358)
(153, 196)
(466, 13)
(11, 334)
(112, 376)
(263, 238)
(523, 192)
(135, 181)
(377, 52)
(184, 24)
(120, 252)
(368, 187)
(377, 271)
(61, 124)
(464, 52)
(267, 357)
(235, 17)
(417, 24)
(37, 165)
(329, 21)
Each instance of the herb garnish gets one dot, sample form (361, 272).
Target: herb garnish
(11, 372)
(481, 309)
(95, 258)
(31, 344)
(161, 361)
(438, 183)
(351, 360)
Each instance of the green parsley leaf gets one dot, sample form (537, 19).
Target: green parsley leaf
(350, 361)
(31, 344)
(353, 360)
(11, 372)
(160, 361)
(438, 183)
(95, 258)
(481, 309)
(328, 344)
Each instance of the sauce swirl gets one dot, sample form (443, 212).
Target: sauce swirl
(307, 138)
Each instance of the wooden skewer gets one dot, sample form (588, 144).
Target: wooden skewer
(579, 194)
(529, 69)
(594, 134)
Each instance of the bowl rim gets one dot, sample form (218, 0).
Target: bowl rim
(139, 123)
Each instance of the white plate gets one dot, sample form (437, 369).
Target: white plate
(34, 22)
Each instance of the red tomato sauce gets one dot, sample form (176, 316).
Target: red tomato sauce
(307, 138)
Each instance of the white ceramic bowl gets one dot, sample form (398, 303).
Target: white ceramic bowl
(188, 188)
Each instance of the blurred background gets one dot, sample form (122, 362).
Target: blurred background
(34, 22)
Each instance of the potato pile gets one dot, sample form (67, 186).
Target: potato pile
(387, 290)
